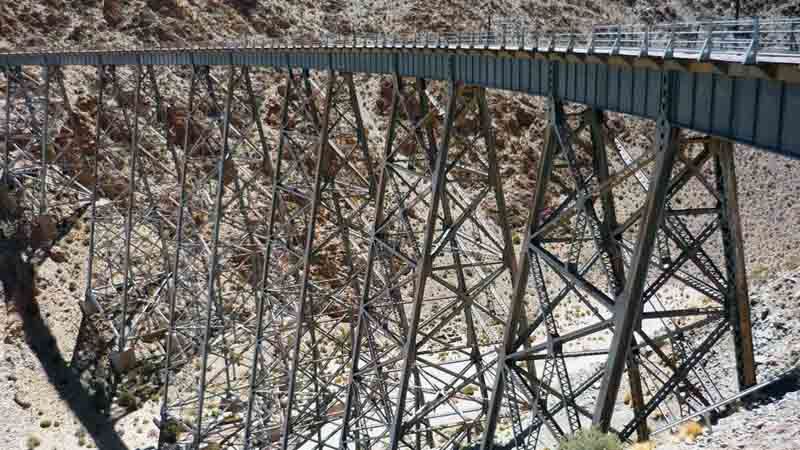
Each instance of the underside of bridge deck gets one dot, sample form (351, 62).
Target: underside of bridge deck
(314, 278)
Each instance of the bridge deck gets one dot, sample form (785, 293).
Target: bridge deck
(742, 89)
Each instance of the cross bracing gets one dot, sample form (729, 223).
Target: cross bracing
(291, 271)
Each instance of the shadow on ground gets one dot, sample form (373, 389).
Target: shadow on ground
(18, 284)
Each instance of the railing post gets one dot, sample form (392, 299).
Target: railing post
(590, 47)
(705, 52)
(752, 50)
(645, 48)
(617, 39)
(670, 44)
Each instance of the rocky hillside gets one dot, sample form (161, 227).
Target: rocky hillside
(71, 23)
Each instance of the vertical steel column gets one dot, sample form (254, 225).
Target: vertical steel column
(359, 126)
(520, 284)
(45, 138)
(496, 181)
(614, 250)
(93, 211)
(737, 300)
(380, 196)
(7, 132)
(129, 212)
(321, 169)
(609, 221)
(629, 302)
(424, 269)
(173, 293)
(273, 214)
(212, 265)
(420, 85)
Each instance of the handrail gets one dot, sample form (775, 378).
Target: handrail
(742, 40)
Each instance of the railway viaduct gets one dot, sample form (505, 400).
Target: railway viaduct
(312, 278)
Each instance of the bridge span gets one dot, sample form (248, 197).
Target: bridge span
(289, 268)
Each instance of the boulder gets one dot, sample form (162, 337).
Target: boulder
(524, 118)
(123, 361)
(113, 12)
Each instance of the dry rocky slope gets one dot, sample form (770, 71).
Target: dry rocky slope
(39, 401)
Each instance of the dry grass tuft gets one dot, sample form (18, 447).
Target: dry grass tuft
(690, 430)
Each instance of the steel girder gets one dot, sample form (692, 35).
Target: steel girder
(294, 279)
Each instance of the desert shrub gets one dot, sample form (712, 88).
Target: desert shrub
(590, 439)
(171, 431)
(128, 401)
(33, 442)
(468, 389)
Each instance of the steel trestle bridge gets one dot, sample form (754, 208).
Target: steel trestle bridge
(291, 268)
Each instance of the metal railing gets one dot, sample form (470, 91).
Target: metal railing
(744, 40)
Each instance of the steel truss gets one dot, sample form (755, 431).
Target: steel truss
(287, 268)
(622, 294)
(44, 183)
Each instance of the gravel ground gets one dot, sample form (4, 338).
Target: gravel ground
(772, 420)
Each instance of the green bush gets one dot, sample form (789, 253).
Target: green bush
(590, 439)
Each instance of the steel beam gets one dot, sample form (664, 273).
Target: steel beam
(173, 292)
(322, 158)
(262, 294)
(213, 260)
(45, 145)
(520, 284)
(134, 152)
(101, 82)
(737, 300)
(613, 250)
(380, 194)
(10, 84)
(423, 270)
(629, 303)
